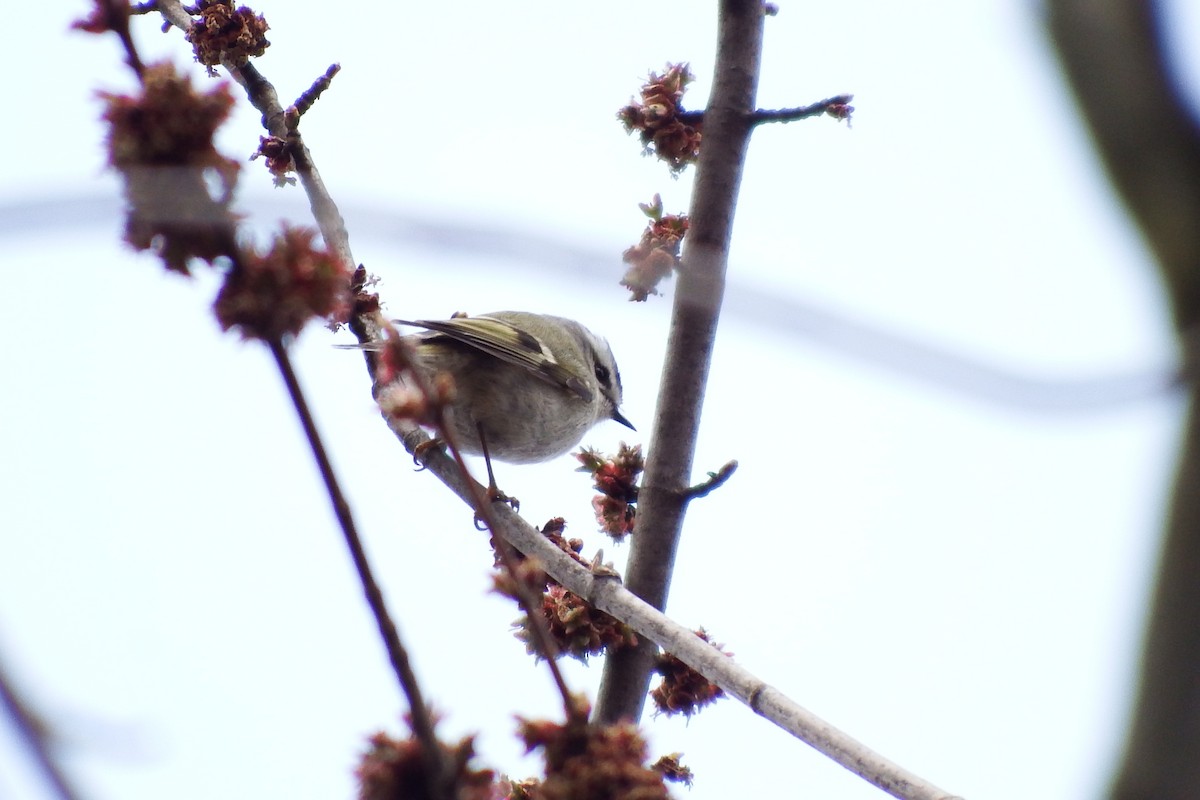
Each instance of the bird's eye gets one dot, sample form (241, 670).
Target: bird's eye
(602, 374)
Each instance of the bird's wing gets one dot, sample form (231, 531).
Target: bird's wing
(508, 343)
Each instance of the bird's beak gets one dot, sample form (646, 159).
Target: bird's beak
(617, 416)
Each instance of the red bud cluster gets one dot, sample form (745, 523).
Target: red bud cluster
(657, 253)
(578, 629)
(161, 141)
(395, 769)
(224, 32)
(272, 295)
(656, 118)
(683, 690)
(592, 762)
(616, 479)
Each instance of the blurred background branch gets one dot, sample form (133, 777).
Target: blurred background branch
(787, 319)
(1114, 56)
(36, 735)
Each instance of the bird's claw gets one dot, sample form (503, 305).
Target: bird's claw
(420, 450)
(494, 495)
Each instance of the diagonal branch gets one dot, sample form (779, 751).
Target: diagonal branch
(606, 593)
(263, 97)
(701, 287)
(422, 718)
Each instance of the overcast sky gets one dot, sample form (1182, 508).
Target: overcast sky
(940, 367)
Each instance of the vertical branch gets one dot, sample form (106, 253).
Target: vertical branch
(1114, 58)
(697, 307)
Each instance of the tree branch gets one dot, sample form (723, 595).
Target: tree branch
(837, 106)
(1114, 55)
(263, 97)
(697, 307)
(607, 594)
(701, 289)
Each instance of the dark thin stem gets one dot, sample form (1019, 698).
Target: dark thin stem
(117, 13)
(837, 106)
(31, 731)
(530, 603)
(422, 722)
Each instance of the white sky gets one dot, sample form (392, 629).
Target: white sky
(954, 570)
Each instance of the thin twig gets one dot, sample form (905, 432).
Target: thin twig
(263, 97)
(422, 722)
(174, 12)
(309, 96)
(715, 481)
(33, 732)
(530, 603)
(837, 106)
